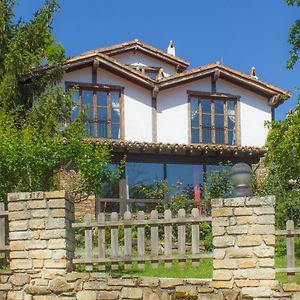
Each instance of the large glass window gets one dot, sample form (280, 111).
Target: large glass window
(103, 111)
(186, 179)
(213, 120)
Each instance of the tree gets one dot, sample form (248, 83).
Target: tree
(294, 38)
(283, 149)
(37, 141)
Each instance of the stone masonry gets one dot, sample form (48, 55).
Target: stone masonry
(42, 248)
(41, 240)
(243, 240)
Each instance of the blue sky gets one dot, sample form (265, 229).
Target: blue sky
(240, 34)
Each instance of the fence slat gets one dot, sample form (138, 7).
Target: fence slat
(114, 241)
(141, 240)
(195, 237)
(101, 240)
(88, 241)
(181, 237)
(127, 240)
(290, 249)
(168, 238)
(154, 238)
(2, 227)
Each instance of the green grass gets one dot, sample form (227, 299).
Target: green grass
(280, 262)
(204, 270)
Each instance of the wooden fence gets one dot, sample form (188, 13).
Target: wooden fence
(4, 247)
(290, 233)
(128, 252)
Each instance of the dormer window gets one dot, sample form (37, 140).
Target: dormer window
(213, 119)
(104, 109)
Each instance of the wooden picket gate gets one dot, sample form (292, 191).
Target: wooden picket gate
(113, 254)
(4, 247)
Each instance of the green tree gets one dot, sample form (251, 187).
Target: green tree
(294, 37)
(36, 138)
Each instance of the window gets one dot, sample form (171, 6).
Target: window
(213, 120)
(103, 110)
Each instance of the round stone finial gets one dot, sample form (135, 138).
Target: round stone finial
(241, 179)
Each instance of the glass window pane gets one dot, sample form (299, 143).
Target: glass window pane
(114, 98)
(186, 180)
(219, 121)
(115, 131)
(219, 106)
(206, 135)
(231, 122)
(141, 176)
(206, 105)
(87, 100)
(195, 136)
(231, 137)
(115, 115)
(110, 189)
(102, 114)
(195, 120)
(101, 98)
(194, 104)
(75, 112)
(206, 121)
(230, 107)
(75, 97)
(102, 129)
(220, 135)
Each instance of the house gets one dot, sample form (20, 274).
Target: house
(171, 122)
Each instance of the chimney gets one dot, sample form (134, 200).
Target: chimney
(252, 73)
(171, 48)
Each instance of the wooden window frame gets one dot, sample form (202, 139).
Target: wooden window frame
(102, 88)
(213, 96)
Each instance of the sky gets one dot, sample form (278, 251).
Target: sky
(239, 33)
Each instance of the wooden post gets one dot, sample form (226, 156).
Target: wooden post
(88, 236)
(127, 239)
(101, 240)
(290, 248)
(195, 237)
(3, 253)
(181, 237)
(114, 241)
(122, 193)
(168, 238)
(154, 238)
(141, 240)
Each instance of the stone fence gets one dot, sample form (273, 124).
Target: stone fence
(42, 248)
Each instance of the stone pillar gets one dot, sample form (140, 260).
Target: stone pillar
(41, 239)
(244, 239)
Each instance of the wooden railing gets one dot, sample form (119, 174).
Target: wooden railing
(290, 233)
(4, 247)
(114, 254)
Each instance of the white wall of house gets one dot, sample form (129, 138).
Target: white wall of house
(172, 108)
(83, 75)
(254, 111)
(138, 58)
(172, 111)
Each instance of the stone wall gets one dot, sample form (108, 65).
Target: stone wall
(243, 240)
(40, 233)
(42, 247)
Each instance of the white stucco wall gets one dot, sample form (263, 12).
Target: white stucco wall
(172, 108)
(172, 111)
(83, 75)
(138, 58)
(254, 111)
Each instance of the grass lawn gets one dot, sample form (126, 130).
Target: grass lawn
(204, 270)
(280, 262)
